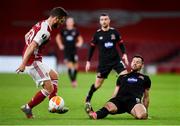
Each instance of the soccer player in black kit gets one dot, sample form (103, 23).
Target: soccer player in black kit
(106, 38)
(68, 40)
(131, 94)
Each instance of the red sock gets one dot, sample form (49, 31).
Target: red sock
(55, 85)
(38, 98)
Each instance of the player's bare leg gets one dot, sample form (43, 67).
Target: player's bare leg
(54, 80)
(37, 99)
(139, 111)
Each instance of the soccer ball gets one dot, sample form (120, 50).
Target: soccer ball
(56, 103)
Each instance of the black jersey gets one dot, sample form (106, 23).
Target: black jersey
(69, 38)
(106, 42)
(132, 85)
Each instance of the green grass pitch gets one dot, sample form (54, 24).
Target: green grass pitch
(15, 90)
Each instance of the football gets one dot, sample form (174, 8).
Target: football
(56, 103)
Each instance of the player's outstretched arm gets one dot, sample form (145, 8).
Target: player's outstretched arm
(59, 41)
(125, 58)
(146, 99)
(30, 49)
(115, 91)
(90, 54)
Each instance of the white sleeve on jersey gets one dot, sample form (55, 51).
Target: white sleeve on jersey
(41, 37)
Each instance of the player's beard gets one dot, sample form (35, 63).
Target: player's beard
(105, 26)
(56, 25)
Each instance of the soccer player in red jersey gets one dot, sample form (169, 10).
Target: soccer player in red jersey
(44, 76)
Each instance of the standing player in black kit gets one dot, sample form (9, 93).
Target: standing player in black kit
(106, 39)
(131, 94)
(68, 40)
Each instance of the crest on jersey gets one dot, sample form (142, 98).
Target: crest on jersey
(113, 37)
(101, 37)
(73, 33)
(141, 77)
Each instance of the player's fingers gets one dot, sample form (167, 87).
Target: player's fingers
(17, 71)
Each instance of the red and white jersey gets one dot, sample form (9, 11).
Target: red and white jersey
(39, 33)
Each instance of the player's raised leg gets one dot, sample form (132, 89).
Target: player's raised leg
(38, 98)
(139, 111)
(54, 80)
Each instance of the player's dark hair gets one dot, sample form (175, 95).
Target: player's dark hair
(139, 56)
(104, 14)
(58, 12)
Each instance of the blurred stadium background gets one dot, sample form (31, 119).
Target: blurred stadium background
(150, 28)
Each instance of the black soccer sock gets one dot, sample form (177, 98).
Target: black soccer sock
(70, 74)
(102, 113)
(74, 75)
(90, 93)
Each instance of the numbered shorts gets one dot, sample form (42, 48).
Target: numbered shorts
(39, 72)
(104, 70)
(71, 58)
(124, 105)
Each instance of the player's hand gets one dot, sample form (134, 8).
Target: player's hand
(21, 68)
(88, 64)
(124, 57)
(61, 47)
(79, 45)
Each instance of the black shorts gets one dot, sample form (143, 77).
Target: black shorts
(104, 70)
(124, 105)
(71, 58)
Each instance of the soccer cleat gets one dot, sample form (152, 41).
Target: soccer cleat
(88, 107)
(27, 111)
(60, 111)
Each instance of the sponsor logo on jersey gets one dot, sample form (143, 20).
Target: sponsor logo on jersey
(108, 44)
(113, 37)
(69, 38)
(132, 80)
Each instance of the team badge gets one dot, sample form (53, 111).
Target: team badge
(73, 33)
(141, 77)
(113, 37)
(100, 37)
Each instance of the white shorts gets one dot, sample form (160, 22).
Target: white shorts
(39, 72)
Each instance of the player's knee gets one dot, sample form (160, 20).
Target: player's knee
(142, 115)
(98, 83)
(111, 107)
(51, 89)
(48, 86)
(53, 75)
